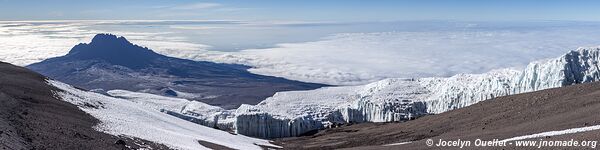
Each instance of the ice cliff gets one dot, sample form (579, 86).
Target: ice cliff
(579, 66)
(294, 113)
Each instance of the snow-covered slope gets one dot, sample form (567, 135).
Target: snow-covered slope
(139, 118)
(297, 112)
(194, 111)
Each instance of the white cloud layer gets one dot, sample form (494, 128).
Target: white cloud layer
(359, 58)
(342, 59)
(196, 6)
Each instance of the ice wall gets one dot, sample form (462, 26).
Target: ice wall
(579, 66)
(294, 113)
(298, 112)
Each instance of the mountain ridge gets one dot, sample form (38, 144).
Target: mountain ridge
(109, 62)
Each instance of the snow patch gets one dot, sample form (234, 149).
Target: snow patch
(554, 133)
(394, 144)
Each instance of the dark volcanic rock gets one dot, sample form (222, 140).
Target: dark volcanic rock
(32, 118)
(111, 62)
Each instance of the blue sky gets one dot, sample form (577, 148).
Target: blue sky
(302, 10)
(335, 42)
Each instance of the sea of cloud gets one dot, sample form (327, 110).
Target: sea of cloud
(340, 58)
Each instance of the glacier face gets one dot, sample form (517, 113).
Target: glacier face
(294, 113)
(297, 112)
(579, 66)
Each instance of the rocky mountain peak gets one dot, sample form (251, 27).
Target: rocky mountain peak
(115, 50)
(105, 38)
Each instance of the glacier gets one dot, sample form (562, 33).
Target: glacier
(295, 113)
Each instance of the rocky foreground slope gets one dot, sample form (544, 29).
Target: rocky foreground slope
(295, 113)
(31, 117)
(515, 117)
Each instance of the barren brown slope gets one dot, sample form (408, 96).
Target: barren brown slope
(499, 118)
(32, 118)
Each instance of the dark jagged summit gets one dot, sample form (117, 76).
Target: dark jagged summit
(108, 39)
(115, 50)
(110, 62)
